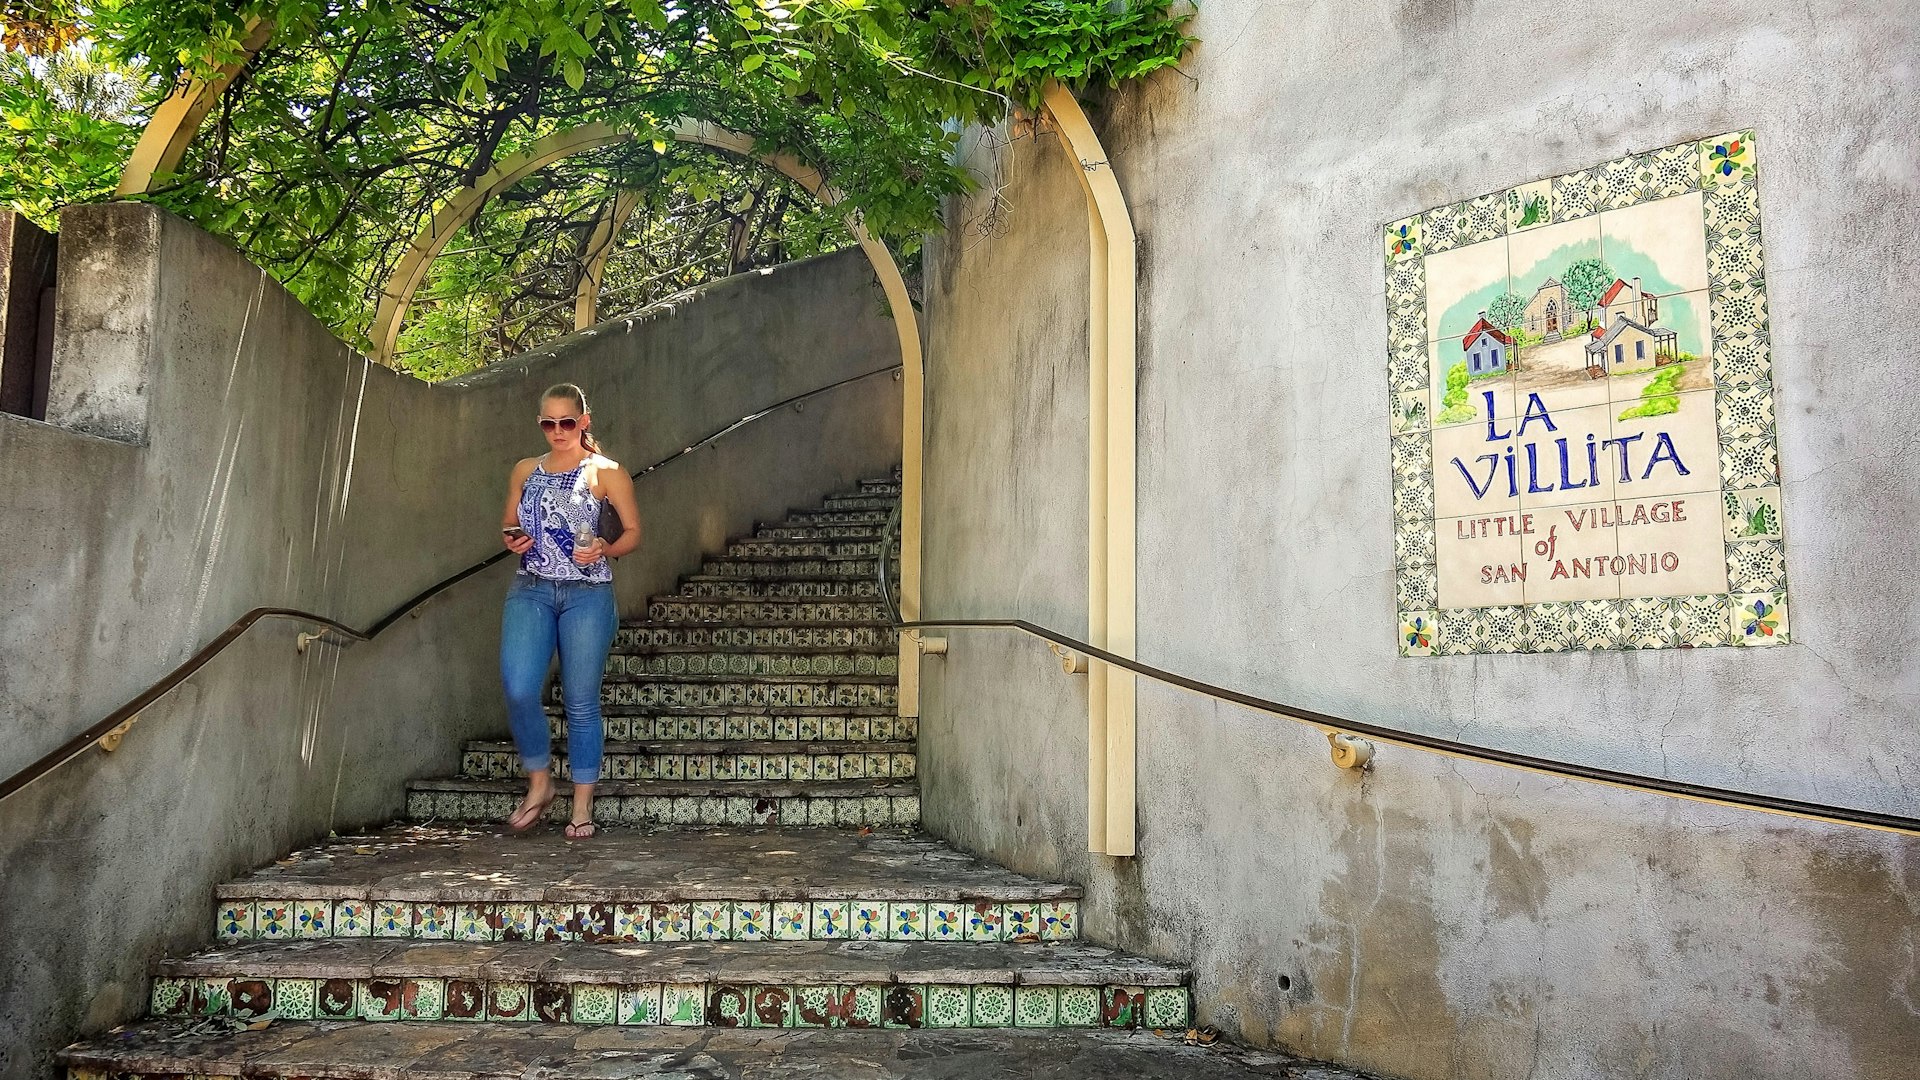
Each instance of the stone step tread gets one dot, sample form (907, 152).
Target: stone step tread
(448, 863)
(845, 590)
(772, 963)
(880, 516)
(851, 532)
(770, 789)
(786, 729)
(838, 590)
(746, 590)
(606, 709)
(863, 535)
(448, 1050)
(753, 624)
(696, 622)
(837, 516)
(876, 649)
(775, 601)
(787, 558)
(789, 579)
(687, 677)
(716, 746)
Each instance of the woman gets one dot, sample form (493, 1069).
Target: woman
(562, 596)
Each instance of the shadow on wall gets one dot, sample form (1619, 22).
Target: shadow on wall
(209, 447)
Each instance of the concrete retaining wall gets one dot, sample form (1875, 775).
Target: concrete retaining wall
(1432, 919)
(212, 448)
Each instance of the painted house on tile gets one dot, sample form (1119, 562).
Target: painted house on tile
(1548, 312)
(1622, 299)
(1488, 350)
(1628, 345)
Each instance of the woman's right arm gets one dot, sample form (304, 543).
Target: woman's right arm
(510, 518)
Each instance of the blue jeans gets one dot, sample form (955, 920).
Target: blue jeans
(580, 618)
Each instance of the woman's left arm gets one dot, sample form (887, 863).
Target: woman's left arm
(619, 488)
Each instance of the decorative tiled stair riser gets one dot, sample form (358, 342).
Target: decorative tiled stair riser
(847, 803)
(702, 920)
(818, 588)
(872, 519)
(644, 639)
(807, 549)
(872, 532)
(870, 664)
(785, 569)
(785, 1005)
(882, 503)
(749, 691)
(762, 612)
(720, 761)
(874, 725)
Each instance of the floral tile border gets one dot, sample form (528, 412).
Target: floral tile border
(671, 694)
(1754, 612)
(806, 1005)
(854, 764)
(882, 638)
(754, 663)
(797, 919)
(739, 727)
(820, 811)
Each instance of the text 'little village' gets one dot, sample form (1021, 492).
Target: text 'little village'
(1570, 466)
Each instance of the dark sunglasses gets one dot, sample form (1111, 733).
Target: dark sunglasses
(565, 423)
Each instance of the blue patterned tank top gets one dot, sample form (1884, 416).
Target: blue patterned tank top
(554, 508)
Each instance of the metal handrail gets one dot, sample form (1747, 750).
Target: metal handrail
(119, 720)
(1337, 728)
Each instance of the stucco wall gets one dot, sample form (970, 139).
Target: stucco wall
(1432, 919)
(256, 461)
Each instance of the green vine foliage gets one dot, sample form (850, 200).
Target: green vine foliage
(336, 143)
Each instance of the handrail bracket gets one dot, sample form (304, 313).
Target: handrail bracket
(1350, 751)
(111, 740)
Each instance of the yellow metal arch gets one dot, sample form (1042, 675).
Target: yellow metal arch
(586, 297)
(1111, 424)
(165, 139)
(412, 271)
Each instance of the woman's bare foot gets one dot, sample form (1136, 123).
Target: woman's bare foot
(540, 795)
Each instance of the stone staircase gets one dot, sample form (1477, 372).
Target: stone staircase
(760, 869)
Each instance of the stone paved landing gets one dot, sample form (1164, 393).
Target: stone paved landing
(368, 1051)
(427, 862)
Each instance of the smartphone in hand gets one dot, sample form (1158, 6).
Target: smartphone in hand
(513, 532)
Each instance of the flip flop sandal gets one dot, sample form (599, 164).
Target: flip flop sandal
(538, 815)
(582, 830)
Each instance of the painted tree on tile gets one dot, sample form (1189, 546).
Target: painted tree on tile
(1585, 281)
(1506, 310)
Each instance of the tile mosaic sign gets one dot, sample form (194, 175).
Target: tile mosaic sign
(1581, 412)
